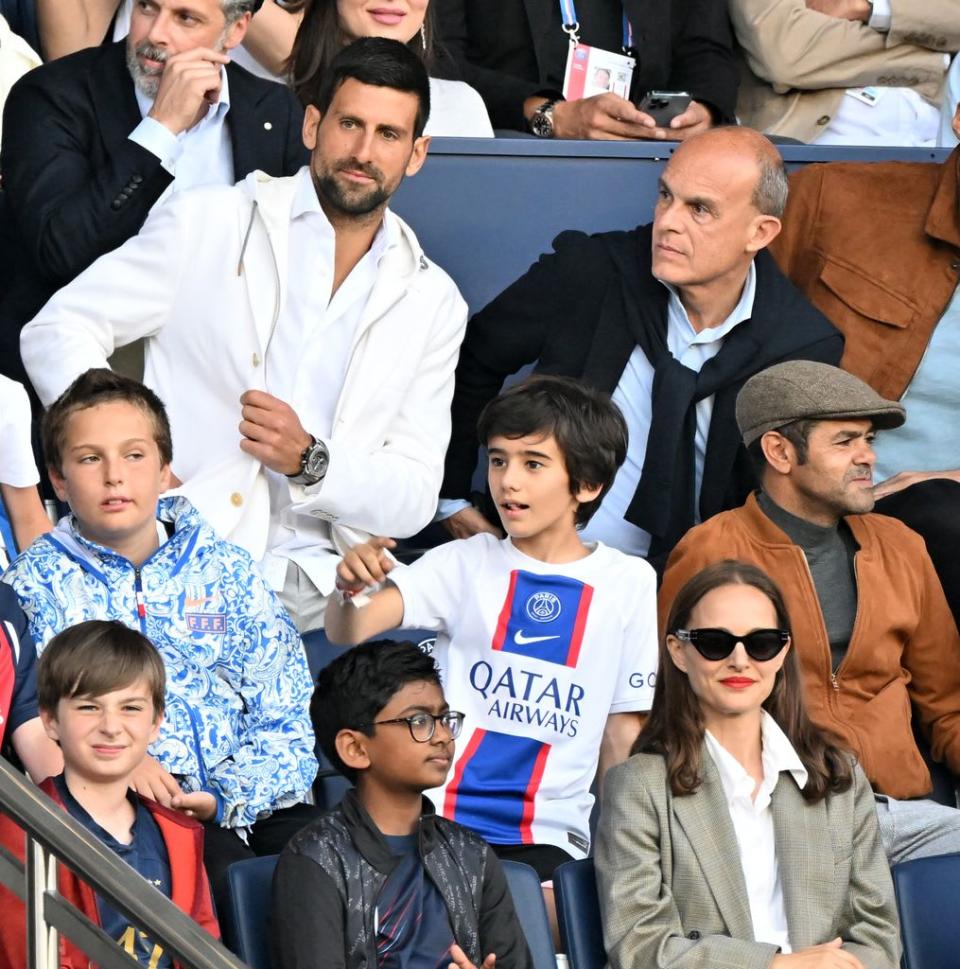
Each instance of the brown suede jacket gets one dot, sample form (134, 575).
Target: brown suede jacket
(875, 246)
(905, 647)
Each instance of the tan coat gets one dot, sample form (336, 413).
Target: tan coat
(672, 892)
(876, 248)
(905, 648)
(799, 62)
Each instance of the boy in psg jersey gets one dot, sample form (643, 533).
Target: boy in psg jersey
(548, 645)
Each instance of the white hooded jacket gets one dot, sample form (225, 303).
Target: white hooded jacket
(205, 282)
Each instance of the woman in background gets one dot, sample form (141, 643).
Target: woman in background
(456, 109)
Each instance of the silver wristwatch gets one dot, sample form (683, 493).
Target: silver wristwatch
(541, 121)
(314, 462)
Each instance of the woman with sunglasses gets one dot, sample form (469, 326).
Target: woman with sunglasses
(738, 834)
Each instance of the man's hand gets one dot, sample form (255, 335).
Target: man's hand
(842, 9)
(272, 432)
(904, 479)
(190, 83)
(366, 564)
(604, 116)
(151, 780)
(693, 121)
(200, 805)
(459, 959)
(826, 956)
(611, 117)
(468, 522)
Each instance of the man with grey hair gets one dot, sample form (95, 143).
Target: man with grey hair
(871, 627)
(93, 140)
(671, 319)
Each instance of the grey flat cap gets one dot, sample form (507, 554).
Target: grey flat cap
(804, 390)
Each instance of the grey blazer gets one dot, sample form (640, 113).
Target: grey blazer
(671, 886)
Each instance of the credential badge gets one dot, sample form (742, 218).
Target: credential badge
(543, 607)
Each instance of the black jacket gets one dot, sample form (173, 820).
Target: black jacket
(330, 875)
(558, 314)
(75, 186)
(512, 49)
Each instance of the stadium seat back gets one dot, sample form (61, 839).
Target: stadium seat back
(246, 923)
(532, 912)
(578, 911)
(927, 891)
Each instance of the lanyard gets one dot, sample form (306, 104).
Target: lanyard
(571, 26)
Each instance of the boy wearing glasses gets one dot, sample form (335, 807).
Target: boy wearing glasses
(381, 881)
(546, 643)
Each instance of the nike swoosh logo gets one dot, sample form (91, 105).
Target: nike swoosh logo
(522, 640)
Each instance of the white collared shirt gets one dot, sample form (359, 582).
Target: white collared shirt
(202, 155)
(306, 362)
(753, 825)
(634, 396)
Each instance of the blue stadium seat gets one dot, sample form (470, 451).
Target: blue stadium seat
(927, 892)
(532, 911)
(245, 924)
(578, 911)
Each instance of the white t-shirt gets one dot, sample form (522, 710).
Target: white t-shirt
(17, 466)
(537, 656)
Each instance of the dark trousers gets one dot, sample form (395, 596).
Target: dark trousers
(222, 846)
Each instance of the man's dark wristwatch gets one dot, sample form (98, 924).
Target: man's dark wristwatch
(314, 461)
(541, 121)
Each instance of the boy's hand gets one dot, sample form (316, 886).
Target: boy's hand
(151, 780)
(365, 564)
(460, 960)
(200, 805)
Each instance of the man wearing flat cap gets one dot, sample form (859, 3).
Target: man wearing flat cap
(873, 632)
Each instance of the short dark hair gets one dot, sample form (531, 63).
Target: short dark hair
(102, 386)
(587, 425)
(97, 657)
(796, 432)
(358, 684)
(380, 62)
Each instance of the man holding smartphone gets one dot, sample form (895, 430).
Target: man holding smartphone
(518, 56)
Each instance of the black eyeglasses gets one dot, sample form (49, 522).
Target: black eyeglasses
(714, 644)
(423, 726)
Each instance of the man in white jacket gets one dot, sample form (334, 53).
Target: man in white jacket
(304, 344)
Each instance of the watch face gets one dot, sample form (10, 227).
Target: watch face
(541, 124)
(316, 463)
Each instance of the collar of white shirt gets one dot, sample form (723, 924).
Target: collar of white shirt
(217, 110)
(306, 204)
(778, 756)
(677, 315)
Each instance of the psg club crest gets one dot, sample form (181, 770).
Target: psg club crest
(543, 607)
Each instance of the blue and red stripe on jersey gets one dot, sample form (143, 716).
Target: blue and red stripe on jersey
(543, 617)
(494, 786)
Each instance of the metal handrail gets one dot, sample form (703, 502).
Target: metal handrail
(53, 835)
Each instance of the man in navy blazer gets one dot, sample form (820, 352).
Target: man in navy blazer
(93, 140)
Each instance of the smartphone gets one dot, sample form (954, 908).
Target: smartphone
(664, 106)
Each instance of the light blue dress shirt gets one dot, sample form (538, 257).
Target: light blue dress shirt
(930, 439)
(201, 155)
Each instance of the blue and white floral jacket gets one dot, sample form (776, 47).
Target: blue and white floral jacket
(238, 689)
